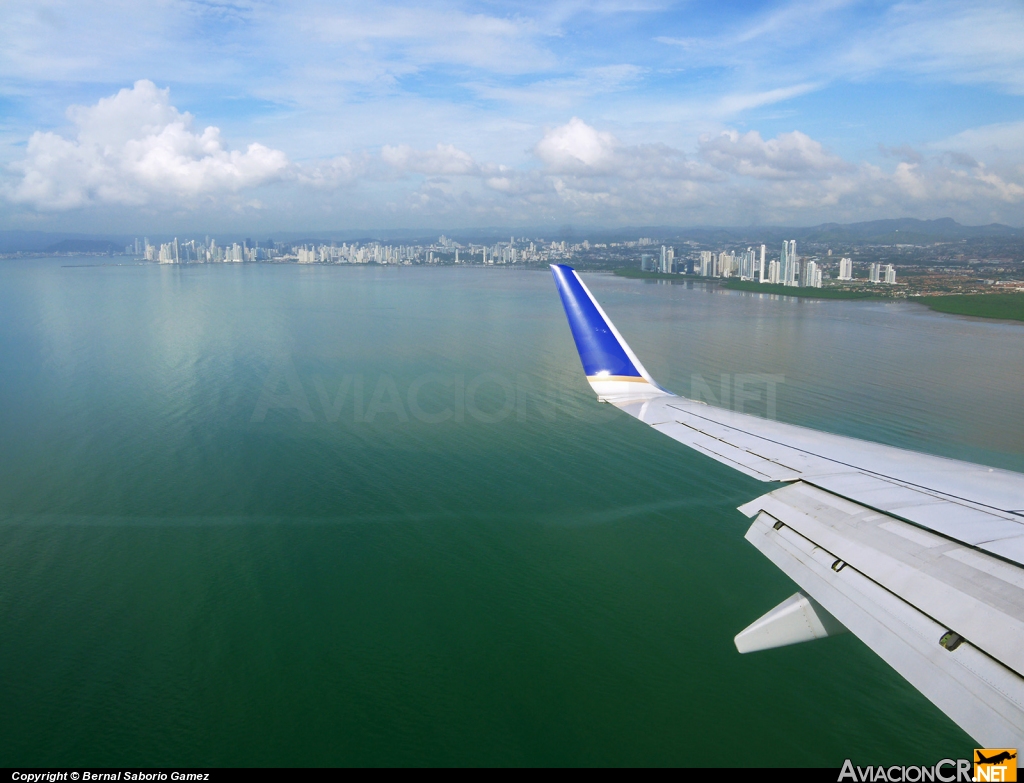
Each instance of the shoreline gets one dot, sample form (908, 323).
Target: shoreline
(991, 306)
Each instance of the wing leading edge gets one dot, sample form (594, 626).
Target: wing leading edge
(919, 556)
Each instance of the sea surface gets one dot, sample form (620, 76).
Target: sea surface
(271, 515)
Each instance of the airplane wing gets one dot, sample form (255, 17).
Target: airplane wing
(920, 557)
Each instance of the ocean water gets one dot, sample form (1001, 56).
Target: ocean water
(269, 515)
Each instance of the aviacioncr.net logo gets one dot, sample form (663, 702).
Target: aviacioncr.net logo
(945, 771)
(995, 764)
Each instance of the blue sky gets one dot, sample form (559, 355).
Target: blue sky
(205, 116)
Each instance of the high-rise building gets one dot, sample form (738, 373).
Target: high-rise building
(890, 273)
(807, 270)
(874, 273)
(811, 275)
(760, 267)
(706, 263)
(789, 268)
(726, 264)
(786, 262)
(846, 269)
(773, 271)
(747, 264)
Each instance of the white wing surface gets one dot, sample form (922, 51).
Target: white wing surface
(921, 557)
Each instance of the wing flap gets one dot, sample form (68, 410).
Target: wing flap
(979, 693)
(911, 563)
(950, 517)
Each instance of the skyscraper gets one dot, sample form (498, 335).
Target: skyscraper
(706, 263)
(811, 277)
(846, 269)
(726, 264)
(760, 267)
(788, 272)
(808, 268)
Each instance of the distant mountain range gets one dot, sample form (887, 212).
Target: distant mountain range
(53, 242)
(898, 231)
(907, 230)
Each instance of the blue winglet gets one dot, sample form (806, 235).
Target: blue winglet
(601, 349)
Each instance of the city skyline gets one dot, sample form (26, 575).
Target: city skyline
(789, 269)
(125, 119)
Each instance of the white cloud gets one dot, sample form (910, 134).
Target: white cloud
(134, 148)
(788, 156)
(566, 91)
(576, 146)
(1000, 138)
(328, 174)
(979, 42)
(445, 159)
(733, 104)
(742, 178)
(819, 43)
(590, 176)
(422, 35)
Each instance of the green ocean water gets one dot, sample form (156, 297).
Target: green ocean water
(268, 515)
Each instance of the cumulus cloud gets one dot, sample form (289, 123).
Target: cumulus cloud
(576, 146)
(589, 174)
(444, 159)
(580, 150)
(328, 174)
(788, 156)
(134, 148)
